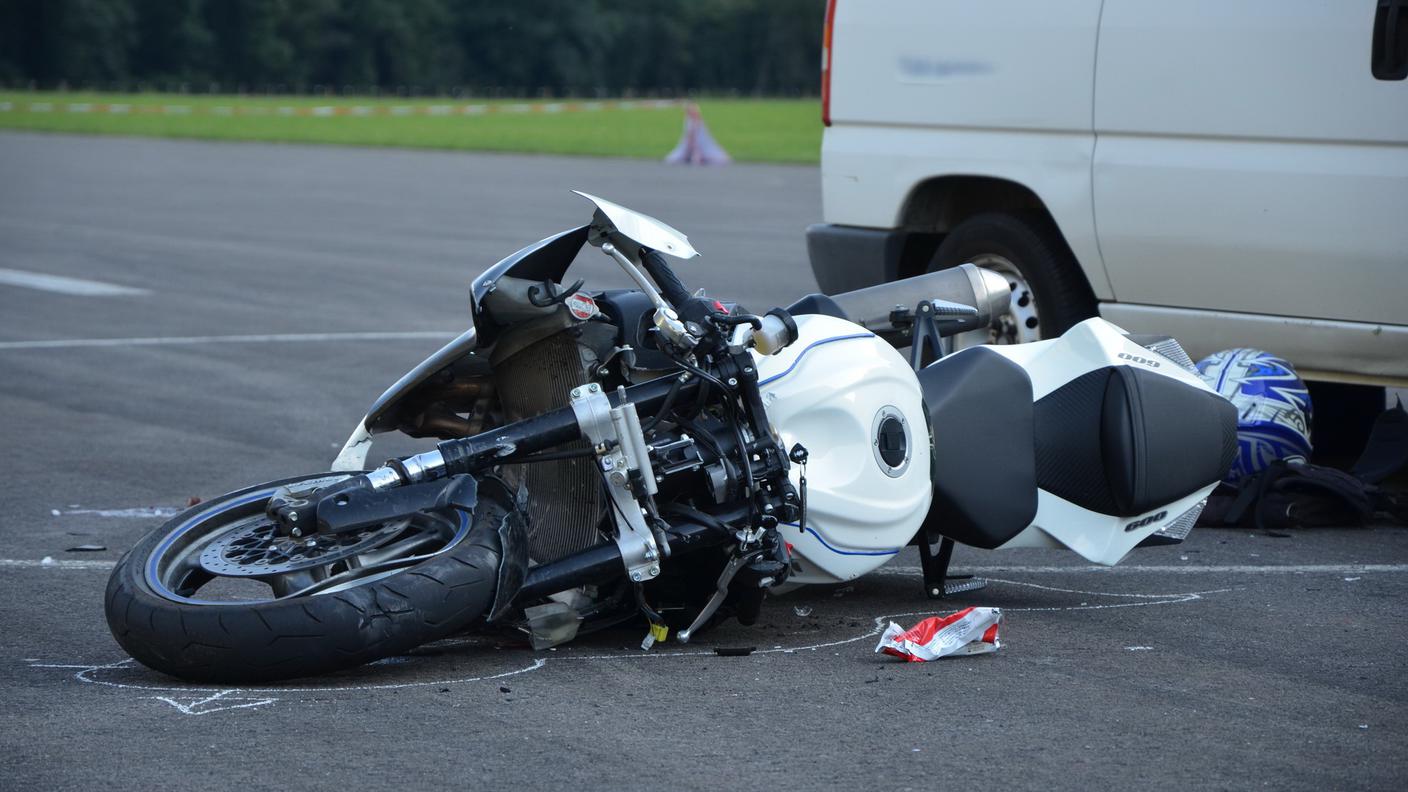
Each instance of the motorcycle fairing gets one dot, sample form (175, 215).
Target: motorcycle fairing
(1126, 442)
(546, 259)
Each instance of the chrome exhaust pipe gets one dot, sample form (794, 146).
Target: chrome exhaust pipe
(967, 284)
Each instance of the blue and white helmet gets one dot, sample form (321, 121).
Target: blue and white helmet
(1273, 407)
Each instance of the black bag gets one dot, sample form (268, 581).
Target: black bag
(1302, 495)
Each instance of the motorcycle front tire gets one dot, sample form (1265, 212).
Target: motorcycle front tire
(299, 636)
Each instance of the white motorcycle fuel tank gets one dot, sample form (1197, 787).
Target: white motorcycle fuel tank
(855, 404)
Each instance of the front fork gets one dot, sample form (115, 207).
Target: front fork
(336, 508)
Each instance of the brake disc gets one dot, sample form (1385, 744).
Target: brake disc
(256, 549)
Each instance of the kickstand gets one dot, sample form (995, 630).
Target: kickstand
(938, 583)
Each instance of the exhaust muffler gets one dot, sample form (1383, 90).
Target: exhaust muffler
(966, 284)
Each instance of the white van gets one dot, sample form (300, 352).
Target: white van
(1229, 172)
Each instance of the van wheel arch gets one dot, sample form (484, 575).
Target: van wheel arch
(976, 218)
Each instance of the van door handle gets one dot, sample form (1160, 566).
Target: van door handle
(1389, 54)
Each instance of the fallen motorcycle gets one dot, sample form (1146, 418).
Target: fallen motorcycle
(611, 455)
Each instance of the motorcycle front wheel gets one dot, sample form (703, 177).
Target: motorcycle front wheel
(217, 595)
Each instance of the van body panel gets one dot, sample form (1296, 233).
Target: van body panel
(1229, 171)
(1268, 173)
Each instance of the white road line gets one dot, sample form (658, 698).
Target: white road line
(54, 563)
(141, 512)
(1264, 569)
(62, 285)
(1273, 569)
(281, 338)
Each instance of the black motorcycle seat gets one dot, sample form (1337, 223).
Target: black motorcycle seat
(984, 465)
(1099, 436)
(1117, 440)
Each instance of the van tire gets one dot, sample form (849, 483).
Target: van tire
(1059, 294)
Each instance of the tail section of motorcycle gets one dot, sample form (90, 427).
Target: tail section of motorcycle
(1098, 441)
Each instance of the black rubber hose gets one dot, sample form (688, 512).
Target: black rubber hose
(668, 405)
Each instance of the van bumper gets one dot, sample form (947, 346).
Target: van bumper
(846, 258)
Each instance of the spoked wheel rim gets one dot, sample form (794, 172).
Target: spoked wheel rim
(1021, 322)
(235, 541)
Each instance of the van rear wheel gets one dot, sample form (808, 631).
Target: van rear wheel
(1049, 291)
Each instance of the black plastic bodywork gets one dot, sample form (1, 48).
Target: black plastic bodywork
(546, 259)
(631, 310)
(384, 415)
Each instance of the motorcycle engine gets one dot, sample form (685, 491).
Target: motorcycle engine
(540, 353)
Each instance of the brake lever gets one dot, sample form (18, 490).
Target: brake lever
(666, 320)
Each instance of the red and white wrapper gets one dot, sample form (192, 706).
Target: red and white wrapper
(967, 632)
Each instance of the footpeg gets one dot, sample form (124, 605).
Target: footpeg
(961, 585)
(938, 583)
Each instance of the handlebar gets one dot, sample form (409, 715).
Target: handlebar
(671, 287)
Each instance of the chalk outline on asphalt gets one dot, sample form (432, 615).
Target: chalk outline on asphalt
(88, 673)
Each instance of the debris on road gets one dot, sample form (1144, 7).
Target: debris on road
(803, 610)
(657, 633)
(734, 651)
(969, 631)
(87, 548)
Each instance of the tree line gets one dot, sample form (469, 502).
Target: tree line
(446, 47)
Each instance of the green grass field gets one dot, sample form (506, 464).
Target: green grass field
(757, 130)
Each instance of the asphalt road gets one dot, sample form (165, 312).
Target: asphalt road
(1236, 660)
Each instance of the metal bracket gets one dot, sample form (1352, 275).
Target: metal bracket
(620, 447)
(935, 324)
